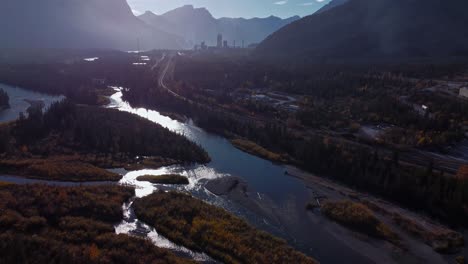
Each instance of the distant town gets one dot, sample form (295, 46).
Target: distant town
(222, 44)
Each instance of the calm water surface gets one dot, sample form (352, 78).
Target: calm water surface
(18, 104)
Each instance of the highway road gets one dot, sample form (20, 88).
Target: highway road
(170, 64)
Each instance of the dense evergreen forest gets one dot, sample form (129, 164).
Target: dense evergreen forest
(4, 100)
(45, 224)
(335, 97)
(95, 129)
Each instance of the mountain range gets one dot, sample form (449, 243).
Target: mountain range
(374, 30)
(79, 24)
(197, 24)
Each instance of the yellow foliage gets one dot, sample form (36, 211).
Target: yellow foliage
(254, 149)
(360, 217)
(94, 252)
(24, 149)
(463, 172)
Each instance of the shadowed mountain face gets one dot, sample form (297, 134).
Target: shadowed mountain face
(375, 29)
(77, 24)
(197, 24)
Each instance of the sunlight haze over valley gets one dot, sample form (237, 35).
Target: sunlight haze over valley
(234, 132)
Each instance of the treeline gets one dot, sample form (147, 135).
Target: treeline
(4, 100)
(428, 71)
(325, 81)
(207, 228)
(97, 130)
(46, 224)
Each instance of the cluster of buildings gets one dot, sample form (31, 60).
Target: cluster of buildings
(220, 44)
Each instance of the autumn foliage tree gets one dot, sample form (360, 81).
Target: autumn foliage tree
(463, 173)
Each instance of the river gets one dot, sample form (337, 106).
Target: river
(276, 201)
(278, 206)
(18, 103)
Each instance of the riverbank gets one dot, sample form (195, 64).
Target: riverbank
(418, 234)
(213, 230)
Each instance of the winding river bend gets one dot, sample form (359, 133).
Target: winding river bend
(276, 202)
(278, 206)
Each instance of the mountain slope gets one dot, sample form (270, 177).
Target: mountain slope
(197, 24)
(331, 5)
(192, 24)
(375, 29)
(77, 24)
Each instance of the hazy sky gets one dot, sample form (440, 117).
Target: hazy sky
(235, 8)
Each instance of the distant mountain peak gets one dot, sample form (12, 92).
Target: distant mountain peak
(188, 13)
(189, 8)
(148, 15)
(197, 25)
(106, 24)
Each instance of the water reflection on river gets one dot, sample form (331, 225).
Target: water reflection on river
(18, 103)
(277, 204)
(281, 199)
(262, 175)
